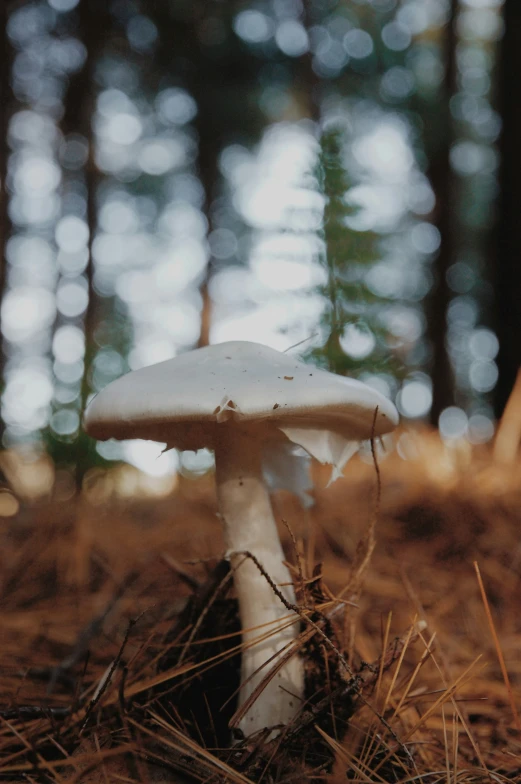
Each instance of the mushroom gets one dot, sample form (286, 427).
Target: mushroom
(247, 401)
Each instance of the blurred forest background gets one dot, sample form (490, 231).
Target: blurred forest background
(177, 172)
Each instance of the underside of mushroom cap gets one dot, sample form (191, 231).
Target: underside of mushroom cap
(184, 401)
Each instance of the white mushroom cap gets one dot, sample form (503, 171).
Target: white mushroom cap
(185, 400)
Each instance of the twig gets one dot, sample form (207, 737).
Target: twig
(298, 560)
(296, 609)
(29, 712)
(105, 682)
(367, 544)
(121, 691)
(304, 340)
(331, 645)
(218, 590)
(86, 636)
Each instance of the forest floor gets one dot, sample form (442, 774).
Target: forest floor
(119, 635)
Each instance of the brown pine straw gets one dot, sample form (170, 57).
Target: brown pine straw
(379, 684)
(179, 742)
(497, 644)
(428, 711)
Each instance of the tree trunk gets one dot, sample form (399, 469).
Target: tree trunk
(441, 179)
(5, 222)
(208, 175)
(79, 106)
(210, 147)
(508, 265)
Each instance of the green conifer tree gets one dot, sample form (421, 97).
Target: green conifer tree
(347, 255)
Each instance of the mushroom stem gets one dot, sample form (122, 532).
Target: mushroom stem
(250, 526)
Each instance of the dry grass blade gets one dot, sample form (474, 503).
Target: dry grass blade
(497, 645)
(303, 614)
(366, 545)
(366, 748)
(85, 761)
(445, 697)
(181, 743)
(455, 738)
(425, 656)
(208, 606)
(274, 664)
(354, 765)
(474, 744)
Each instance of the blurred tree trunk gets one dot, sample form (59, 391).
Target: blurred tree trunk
(441, 179)
(307, 81)
(79, 108)
(208, 169)
(198, 50)
(306, 86)
(5, 222)
(508, 265)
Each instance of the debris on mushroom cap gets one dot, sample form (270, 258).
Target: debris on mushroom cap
(185, 402)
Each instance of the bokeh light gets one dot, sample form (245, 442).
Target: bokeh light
(124, 221)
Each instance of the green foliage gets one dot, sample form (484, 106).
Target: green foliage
(347, 255)
(112, 331)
